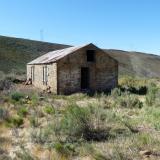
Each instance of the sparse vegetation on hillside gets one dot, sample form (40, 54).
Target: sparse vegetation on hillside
(16, 52)
(121, 125)
(136, 64)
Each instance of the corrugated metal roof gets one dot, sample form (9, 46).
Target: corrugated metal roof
(53, 56)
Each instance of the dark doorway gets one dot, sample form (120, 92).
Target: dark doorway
(84, 78)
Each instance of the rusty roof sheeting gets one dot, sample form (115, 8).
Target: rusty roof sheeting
(53, 56)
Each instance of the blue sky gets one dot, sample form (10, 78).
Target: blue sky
(120, 24)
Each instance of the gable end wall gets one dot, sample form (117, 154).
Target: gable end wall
(103, 72)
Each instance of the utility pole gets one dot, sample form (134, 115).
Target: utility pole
(41, 35)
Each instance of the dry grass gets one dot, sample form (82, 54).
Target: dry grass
(131, 129)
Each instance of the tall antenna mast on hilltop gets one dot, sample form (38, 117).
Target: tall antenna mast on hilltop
(41, 35)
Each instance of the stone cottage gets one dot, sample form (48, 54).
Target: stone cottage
(74, 69)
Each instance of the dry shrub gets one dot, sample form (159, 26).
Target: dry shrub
(83, 123)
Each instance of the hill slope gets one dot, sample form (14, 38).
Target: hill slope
(136, 63)
(16, 52)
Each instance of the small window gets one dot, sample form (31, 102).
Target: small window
(90, 56)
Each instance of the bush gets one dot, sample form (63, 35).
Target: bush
(129, 101)
(16, 121)
(83, 123)
(151, 94)
(17, 96)
(23, 111)
(144, 139)
(34, 100)
(49, 110)
(133, 85)
(76, 122)
(65, 149)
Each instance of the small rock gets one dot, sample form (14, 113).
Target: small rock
(145, 153)
(27, 97)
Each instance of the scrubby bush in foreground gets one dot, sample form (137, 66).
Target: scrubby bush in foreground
(49, 110)
(83, 123)
(129, 101)
(65, 149)
(15, 121)
(17, 96)
(22, 111)
(152, 94)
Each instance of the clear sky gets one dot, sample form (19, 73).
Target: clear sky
(120, 24)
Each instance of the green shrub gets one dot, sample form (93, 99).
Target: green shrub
(133, 85)
(65, 149)
(129, 101)
(83, 123)
(76, 122)
(34, 99)
(17, 96)
(16, 121)
(128, 82)
(49, 110)
(144, 139)
(151, 94)
(22, 111)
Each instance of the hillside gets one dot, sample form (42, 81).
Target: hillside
(16, 52)
(136, 63)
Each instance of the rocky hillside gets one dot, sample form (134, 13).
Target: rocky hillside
(16, 52)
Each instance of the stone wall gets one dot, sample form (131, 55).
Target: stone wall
(64, 76)
(103, 72)
(38, 76)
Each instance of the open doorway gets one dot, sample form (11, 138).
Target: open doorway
(84, 78)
